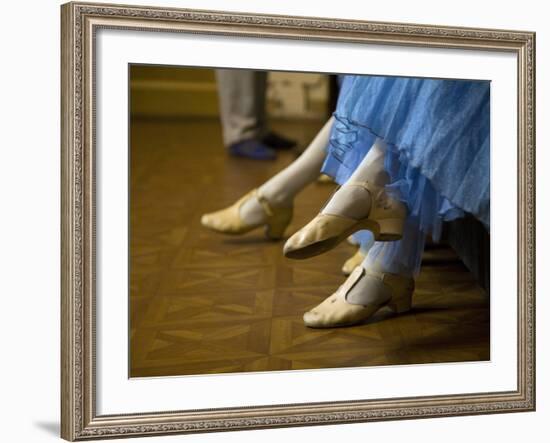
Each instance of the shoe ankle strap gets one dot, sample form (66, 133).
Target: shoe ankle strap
(264, 203)
(367, 185)
(370, 187)
(386, 277)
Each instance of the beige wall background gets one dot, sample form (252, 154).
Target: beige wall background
(177, 92)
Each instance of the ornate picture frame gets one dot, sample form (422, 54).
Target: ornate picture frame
(80, 22)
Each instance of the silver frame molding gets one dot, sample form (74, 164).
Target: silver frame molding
(79, 23)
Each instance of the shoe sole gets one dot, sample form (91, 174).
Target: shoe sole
(388, 304)
(322, 246)
(267, 232)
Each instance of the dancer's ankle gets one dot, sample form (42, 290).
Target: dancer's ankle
(259, 207)
(378, 266)
(276, 198)
(252, 212)
(349, 201)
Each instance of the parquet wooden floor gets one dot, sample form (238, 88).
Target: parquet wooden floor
(204, 303)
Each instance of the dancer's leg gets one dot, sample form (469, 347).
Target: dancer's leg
(354, 201)
(271, 204)
(360, 203)
(281, 189)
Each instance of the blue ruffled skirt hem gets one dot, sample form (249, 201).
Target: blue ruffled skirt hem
(427, 207)
(437, 138)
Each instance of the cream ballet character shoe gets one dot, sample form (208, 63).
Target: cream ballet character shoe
(352, 262)
(385, 220)
(325, 179)
(390, 290)
(229, 221)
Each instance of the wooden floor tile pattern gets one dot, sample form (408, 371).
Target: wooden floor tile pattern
(203, 303)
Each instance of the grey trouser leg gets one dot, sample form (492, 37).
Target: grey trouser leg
(242, 103)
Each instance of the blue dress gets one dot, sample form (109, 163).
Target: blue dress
(437, 134)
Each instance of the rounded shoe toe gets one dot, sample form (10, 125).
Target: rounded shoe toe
(206, 220)
(298, 245)
(352, 262)
(292, 244)
(312, 319)
(348, 267)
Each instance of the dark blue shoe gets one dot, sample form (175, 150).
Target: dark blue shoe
(253, 149)
(277, 141)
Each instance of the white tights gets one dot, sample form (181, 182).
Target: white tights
(281, 189)
(354, 201)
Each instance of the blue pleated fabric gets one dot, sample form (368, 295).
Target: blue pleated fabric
(438, 145)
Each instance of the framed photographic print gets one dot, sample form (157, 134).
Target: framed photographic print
(283, 221)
